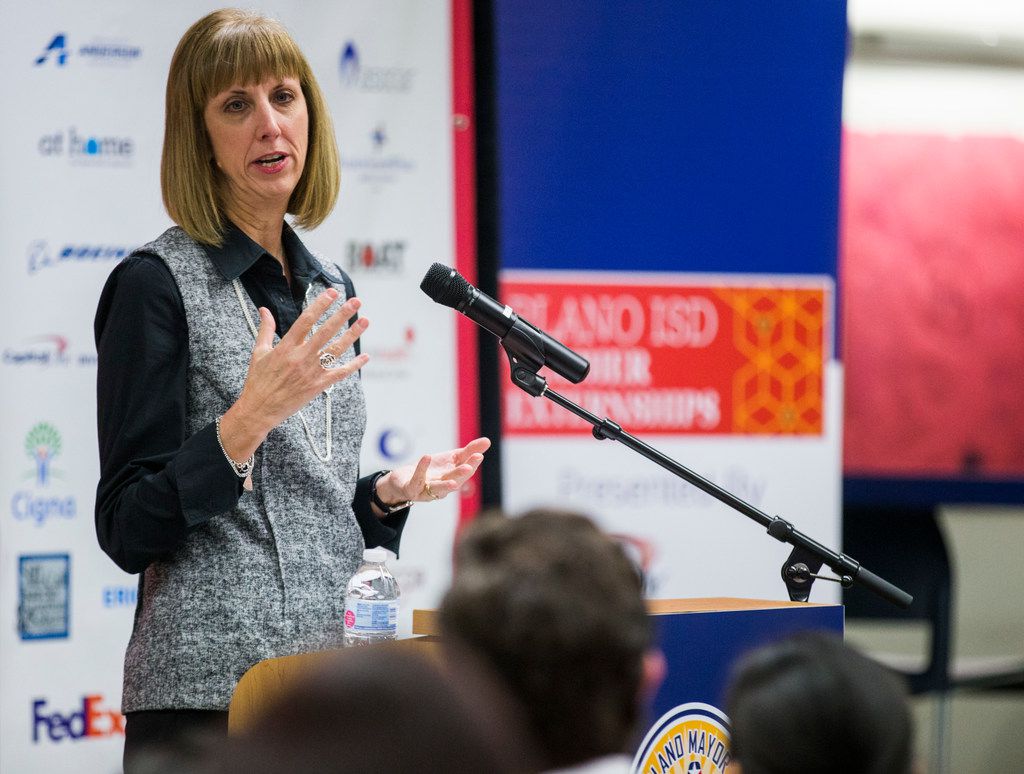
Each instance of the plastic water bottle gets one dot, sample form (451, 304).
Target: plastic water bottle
(371, 601)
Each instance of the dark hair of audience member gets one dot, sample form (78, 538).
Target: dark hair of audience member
(554, 605)
(384, 708)
(812, 703)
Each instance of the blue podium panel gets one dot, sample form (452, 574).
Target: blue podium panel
(702, 639)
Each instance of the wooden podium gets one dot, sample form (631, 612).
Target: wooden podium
(701, 638)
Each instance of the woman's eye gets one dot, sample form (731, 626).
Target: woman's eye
(285, 96)
(235, 106)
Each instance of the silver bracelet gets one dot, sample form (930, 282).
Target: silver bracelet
(242, 469)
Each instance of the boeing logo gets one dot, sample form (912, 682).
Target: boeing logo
(58, 51)
(355, 75)
(75, 253)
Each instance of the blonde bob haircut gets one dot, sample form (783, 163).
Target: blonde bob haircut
(225, 48)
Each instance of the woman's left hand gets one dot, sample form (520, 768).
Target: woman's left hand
(435, 476)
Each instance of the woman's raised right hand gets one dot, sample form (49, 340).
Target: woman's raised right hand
(283, 379)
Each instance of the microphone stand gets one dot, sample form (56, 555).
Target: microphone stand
(801, 567)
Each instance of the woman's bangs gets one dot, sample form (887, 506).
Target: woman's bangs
(242, 57)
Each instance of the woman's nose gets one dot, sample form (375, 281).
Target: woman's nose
(267, 121)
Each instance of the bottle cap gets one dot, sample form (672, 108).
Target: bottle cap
(375, 555)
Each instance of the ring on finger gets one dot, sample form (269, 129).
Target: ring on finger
(429, 491)
(327, 360)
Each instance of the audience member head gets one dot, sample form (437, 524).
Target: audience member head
(385, 708)
(812, 703)
(555, 607)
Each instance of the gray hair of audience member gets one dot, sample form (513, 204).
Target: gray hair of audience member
(554, 605)
(812, 703)
(384, 708)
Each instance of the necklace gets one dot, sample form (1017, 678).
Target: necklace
(325, 456)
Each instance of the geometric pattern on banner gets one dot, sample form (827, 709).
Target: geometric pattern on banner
(780, 332)
(674, 356)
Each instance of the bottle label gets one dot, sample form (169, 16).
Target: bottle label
(367, 616)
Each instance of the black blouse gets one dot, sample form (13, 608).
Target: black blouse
(156, 485)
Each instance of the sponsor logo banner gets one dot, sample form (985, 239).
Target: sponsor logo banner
(44, 583)
(676, 358)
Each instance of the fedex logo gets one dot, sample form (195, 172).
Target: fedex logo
(92, 721)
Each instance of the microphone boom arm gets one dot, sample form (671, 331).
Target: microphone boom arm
(525, 360)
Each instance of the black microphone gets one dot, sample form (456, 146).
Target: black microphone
(527, 343)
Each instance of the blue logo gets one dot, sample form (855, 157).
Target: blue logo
(44, 583)
(57, 48)
(42, 445)
(394, 444)
(379, 137)
(41, 257)
(355, 75)
(349, 64)
(97, 52)
(120, 596)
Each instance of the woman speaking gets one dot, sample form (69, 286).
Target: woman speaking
(229, 408)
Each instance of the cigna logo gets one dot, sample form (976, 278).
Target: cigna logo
(58, 51)
(87, 148)
(361, 77)
(90, 720)
(42, 445)
(40, 256)
(380, 258)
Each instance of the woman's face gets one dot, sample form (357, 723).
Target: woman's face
(259, 135)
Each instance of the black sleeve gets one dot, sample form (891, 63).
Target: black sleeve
(386, 532)
(155, 484)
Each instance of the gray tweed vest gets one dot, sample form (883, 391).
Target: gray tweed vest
(268, 578)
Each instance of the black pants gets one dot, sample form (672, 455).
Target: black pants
(170, 736)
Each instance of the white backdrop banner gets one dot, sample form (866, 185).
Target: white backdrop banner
(730, 375)
(82, 189)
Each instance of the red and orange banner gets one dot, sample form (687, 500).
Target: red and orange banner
(723, 359)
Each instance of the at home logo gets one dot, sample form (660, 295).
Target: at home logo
(87, 148)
